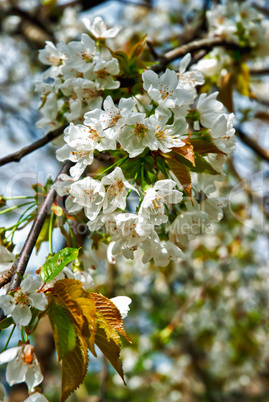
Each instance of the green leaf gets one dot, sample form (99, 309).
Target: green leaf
(63, 331)
(202, 166)
(74, 368)
(54, 265)
(6, 322)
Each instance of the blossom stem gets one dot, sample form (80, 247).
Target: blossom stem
(118, 163)
(20, 220)
(19, 197)
(23, 334)
(51, 223)
(10, 335)
(14, 207)
(74, 243)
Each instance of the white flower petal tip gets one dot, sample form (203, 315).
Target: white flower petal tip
(36, 397)
(122, 304)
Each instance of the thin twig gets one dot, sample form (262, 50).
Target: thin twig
(206, 44)
(16, 156)
(21, 262)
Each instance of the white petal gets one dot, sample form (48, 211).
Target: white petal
(122, 304)
(33, 376)
(36, 397)
(9, 354)
(16, 371)
(184, 63)
(21, 315)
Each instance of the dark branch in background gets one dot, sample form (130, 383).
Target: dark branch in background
(21, 262)
(196, 358)
(201, 44)
(252, 144)
(33, 19)
(262, 9)
(16, 156)
(259, 71)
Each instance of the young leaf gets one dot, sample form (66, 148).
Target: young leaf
(81, 307)
(54, 265)
(138, 48)
(202, 166)
(6, 322)
(63, 330)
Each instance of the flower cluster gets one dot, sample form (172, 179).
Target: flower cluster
(77, 76)
(240, 23)
(140, 131)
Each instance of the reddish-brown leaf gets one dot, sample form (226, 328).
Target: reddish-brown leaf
(186, 151)
(110, 313)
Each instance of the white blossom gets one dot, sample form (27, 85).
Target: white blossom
(103, 73)
(122, 304)
(222, 132)
(99, 29)
(54, 56)
(209, 109)
(18, 304)
(6, 259)
(82, 55)
(189, 79)
(90, 194)
(116, 191)
(164, 89)
(112, 118)
(167, 136)
(81, 141)
(137, 135)
(22, 366)
(36, 397)
(162, 252)
(157, 198)
(62, 187)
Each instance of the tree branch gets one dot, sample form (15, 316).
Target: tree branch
(17, 156)
(205, 44)
(252, 144)
(259, 71)
(21, 262)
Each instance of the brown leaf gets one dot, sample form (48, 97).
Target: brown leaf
(81, 306)
(182, 173)
(110, 349)
(205, 147)
(110, 313)
(74, 368)
(88, 329)
(65, 289)
(186, 151)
